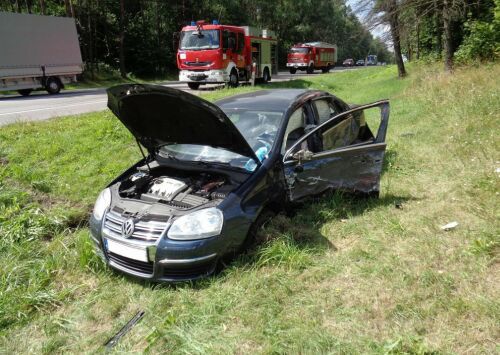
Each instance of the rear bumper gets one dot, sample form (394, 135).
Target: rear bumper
(203, 77)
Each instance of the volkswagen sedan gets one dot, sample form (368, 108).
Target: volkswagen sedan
(212, 173)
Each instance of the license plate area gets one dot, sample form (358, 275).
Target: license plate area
(136, 253)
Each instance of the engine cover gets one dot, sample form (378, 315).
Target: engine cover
(166, 188)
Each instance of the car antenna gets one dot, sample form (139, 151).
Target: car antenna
(143, 155)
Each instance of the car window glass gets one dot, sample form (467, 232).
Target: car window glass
(349, 129)
(241, 42)
(325, 110)
(294, 129)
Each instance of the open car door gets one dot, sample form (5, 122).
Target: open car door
(349, 157)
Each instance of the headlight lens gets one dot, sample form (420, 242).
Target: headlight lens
(103, 202)
(197, 225)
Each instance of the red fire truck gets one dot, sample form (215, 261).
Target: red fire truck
(311, 56)
(214, 53)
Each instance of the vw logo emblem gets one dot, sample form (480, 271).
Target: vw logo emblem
(128, 228)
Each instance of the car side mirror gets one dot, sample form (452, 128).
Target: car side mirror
(302, 155)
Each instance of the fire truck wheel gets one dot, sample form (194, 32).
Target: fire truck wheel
(293, 70)
(233, 79)
(310, 69)
(266, 78)
(325, 69)
(194, 86)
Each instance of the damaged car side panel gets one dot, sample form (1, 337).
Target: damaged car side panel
(355, 168)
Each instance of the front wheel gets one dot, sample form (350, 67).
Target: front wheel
(254, 235)
(310, 69)
(25, 92)
(267, 77)
(194, 86)
(234, 81)
(53, 86)
(293, 70)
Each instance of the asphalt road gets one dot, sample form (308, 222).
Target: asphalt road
(41, 106)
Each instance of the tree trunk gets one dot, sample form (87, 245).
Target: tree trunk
(18, 6)
(123, 72)
(448, 47)
(28, 6)
(394, 24)
(42, 7)
(418, 40)
(67, 7)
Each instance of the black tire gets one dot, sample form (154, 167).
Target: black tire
(293, 70)
(310, 69)
(53, 86)
(194, 86)
(325, 70)
(266, 76)
(253, 233)
(234, 81)
(25, 92)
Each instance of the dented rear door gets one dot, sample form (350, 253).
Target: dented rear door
(355, 168)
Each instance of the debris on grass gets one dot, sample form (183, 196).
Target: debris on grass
(449, 226)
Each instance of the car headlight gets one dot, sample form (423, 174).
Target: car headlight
(197, 225)
(103, 202)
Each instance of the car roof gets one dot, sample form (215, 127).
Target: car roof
(272, 100)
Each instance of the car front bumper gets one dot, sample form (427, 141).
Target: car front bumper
(203, 77)
(296, 65)
(167, 260)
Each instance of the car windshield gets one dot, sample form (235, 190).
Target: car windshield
(259, 128)
(198, 40)
(299, 50)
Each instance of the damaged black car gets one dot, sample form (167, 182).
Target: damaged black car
(211, 173)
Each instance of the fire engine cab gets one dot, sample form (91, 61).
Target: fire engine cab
(215, 53)
(311, 56)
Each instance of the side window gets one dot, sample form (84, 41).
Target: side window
(325, 110)
(225, 39)
(241, 42)
(294, 129)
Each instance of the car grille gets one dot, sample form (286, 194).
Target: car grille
(131, 264)
(146, 231)
(198, 64)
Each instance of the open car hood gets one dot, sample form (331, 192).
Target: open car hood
(158, 115)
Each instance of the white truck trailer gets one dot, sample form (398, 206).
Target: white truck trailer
(38, 52)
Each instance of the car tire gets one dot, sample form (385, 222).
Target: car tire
(53, 86)
(194, 86)
(310, 69)
(234, 81)
(293, 70)
(266, 76)
(253, 238)
(25, 92)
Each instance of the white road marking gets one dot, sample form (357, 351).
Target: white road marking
(54, 107)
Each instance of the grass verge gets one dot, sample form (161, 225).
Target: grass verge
(343, 275)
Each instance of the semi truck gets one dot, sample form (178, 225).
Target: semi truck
(310, 56)
(212, 53)
(38, 52)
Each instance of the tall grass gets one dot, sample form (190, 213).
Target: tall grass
(341, 275)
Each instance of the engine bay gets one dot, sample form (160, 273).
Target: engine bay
(182, 190)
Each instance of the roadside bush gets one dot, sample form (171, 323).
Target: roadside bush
(483, 40)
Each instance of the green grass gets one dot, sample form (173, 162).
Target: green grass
(343, 275)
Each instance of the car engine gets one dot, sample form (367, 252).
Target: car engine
(182, 192)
